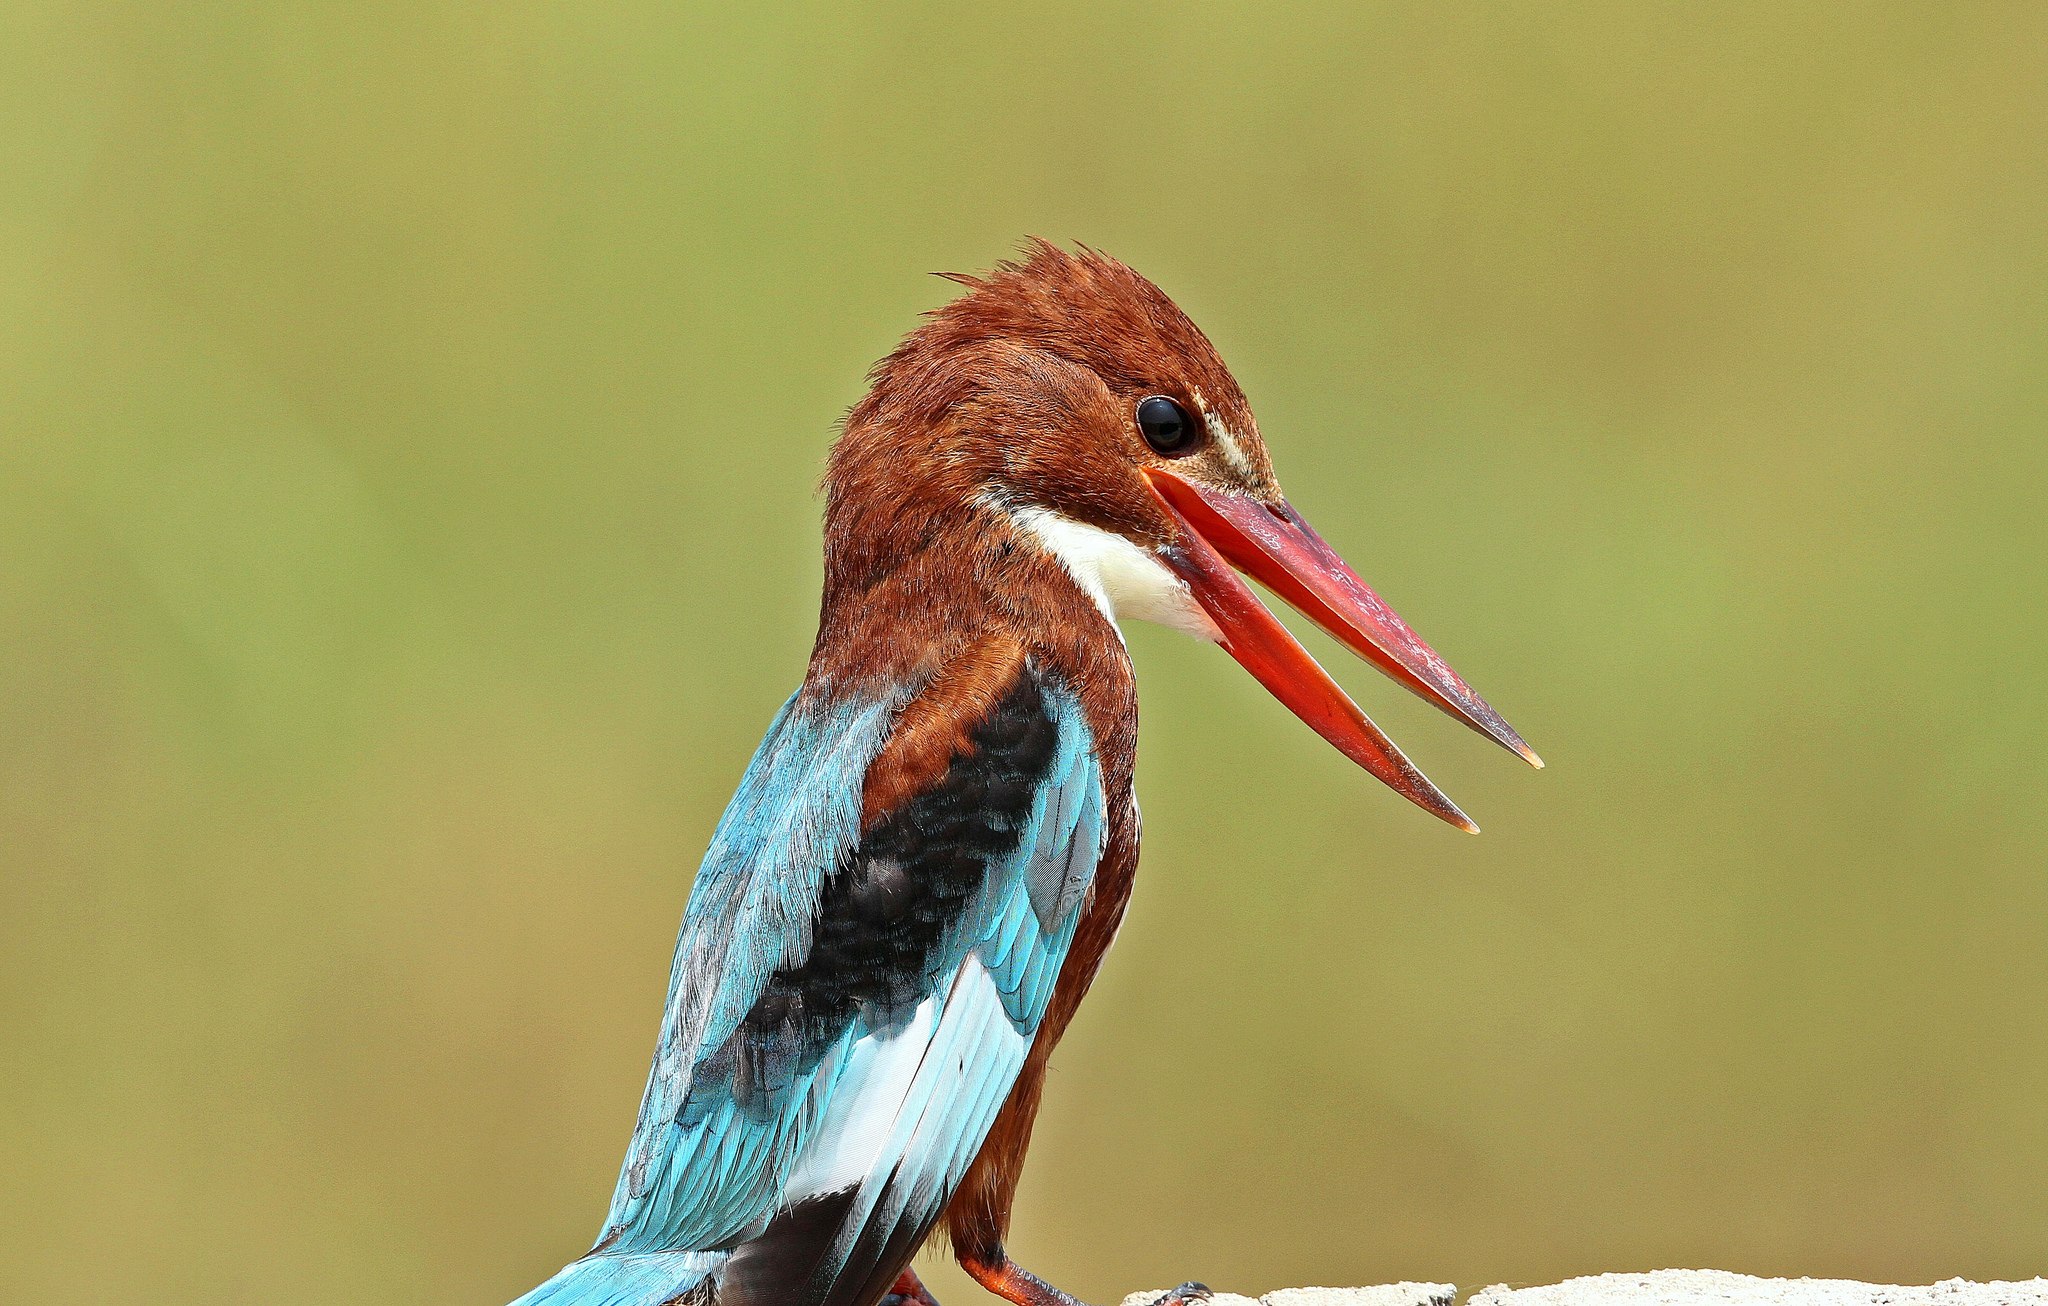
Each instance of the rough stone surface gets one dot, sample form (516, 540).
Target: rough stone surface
(1386, 1294)
(1658, 1288)
(1700, 1287)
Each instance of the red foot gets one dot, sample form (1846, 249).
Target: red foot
(1019, 1286)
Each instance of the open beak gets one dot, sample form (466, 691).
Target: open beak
(1274, 546)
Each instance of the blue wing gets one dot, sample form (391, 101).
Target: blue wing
(847, 1013)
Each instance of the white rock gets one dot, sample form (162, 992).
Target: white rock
(1697, 1287)
(1657, 1288)
(1389, 1294)
(1386, 1294)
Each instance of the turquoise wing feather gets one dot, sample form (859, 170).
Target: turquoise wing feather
(847, 1012)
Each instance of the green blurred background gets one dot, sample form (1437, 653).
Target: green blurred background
(410, 416)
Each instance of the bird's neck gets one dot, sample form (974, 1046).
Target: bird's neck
(907, 590)
(911, 597)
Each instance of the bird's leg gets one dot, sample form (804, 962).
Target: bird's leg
(909, 1291)
(1019, 1286)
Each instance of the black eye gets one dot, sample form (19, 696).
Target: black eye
(1165, 425)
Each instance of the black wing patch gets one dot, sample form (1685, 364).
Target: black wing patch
(883, 916)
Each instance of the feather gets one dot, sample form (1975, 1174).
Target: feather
(849, 1007)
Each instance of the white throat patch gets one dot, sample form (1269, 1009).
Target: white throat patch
(1125, 581)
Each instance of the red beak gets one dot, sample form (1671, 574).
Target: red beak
(1274, 546)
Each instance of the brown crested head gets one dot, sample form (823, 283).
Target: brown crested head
(1064, 424)
(1051, 384)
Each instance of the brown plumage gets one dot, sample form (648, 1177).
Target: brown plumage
(1057, 449)
(1024, 383)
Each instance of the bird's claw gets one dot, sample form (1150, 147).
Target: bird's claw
(1186, 1295)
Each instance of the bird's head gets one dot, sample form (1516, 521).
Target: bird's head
(1066, 398)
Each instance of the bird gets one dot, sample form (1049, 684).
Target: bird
(934, 845)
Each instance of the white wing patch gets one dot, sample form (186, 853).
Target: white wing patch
(848, 1142)
(934, 1130)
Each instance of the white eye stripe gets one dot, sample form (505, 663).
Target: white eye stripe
(1233, 452)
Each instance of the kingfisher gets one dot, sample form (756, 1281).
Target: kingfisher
(934, 845)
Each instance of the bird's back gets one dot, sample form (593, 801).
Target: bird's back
(853, 996)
